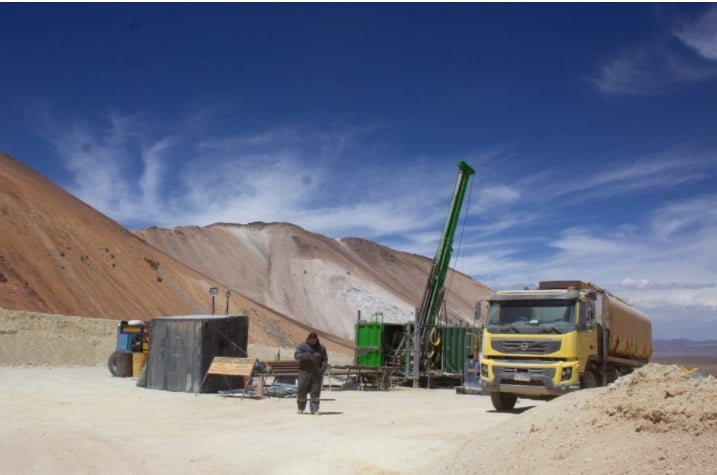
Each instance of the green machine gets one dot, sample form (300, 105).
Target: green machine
(424, 349)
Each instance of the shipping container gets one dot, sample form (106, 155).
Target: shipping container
(458, 344)
(182, 348)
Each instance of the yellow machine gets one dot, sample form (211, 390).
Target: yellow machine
(132, 346)
(567, 335)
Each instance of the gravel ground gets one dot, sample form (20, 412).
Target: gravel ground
(62, 412)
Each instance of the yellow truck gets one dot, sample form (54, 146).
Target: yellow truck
(564, 336)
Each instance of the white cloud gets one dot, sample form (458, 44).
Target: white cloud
(578, 243)
(496, 196)
(649, 70)
(96, 162)
(702, 34)
(280, 174)
(669, 169)
(662, 273)
(152, 176)
(654, 67)
(695, 217)
(522, 234)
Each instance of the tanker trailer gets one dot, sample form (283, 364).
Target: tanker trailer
(566, 335)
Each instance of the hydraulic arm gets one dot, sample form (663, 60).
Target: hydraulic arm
(433, 296)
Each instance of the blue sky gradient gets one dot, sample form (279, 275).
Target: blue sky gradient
(592, 129)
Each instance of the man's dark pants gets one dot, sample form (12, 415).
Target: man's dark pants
(309, 382)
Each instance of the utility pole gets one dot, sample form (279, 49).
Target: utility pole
(213, 291)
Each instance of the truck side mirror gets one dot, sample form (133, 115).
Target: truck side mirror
(590, 320)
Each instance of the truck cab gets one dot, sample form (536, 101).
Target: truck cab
(539, 344)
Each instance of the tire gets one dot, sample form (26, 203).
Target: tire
(503, 401)
(590, 379)
(120, 364)
(611, 375)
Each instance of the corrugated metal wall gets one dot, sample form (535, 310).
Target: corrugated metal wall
(369, 337)
(182, 348)
(458, 343)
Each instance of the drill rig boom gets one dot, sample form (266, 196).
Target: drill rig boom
(434, 293)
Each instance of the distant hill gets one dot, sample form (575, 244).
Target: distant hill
(315, 279)
(60, 256)
(685, 347)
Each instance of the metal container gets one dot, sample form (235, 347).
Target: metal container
(374, 341)
(630, 330)
(181, 349)
(368, 346)
(458, 343)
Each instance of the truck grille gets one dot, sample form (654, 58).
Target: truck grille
(536, 376)
(532, 347)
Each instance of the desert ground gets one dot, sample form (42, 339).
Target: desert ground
(62, 412)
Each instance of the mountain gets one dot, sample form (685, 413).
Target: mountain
(314, 279)
(683, 346)
(60, 256)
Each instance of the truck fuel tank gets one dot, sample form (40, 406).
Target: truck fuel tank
(630, 331)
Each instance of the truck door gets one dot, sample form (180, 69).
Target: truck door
(587, 335)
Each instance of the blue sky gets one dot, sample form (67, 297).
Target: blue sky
(592, 129)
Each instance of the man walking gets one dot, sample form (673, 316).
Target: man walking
(313, 361)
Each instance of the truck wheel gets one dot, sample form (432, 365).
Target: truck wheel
(590, 379)
(611, 375)
(120, 364)
(503, 401)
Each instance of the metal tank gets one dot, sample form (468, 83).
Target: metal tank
(630, 331)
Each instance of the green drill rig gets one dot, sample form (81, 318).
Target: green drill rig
(418, 350)
(427, 315)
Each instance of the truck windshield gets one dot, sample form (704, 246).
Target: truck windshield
(555, 315)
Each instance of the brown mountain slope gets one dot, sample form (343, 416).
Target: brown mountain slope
(313, 278)
(60, 256)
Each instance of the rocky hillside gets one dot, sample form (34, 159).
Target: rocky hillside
(60, 256)
(314, 279)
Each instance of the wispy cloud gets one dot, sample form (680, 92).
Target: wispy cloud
(518, 233)
(665, 170)
(663, 262)
(656, 66)
(139, 177)
(490, 196)
(696, 217)
(96, 160)
(649, 70)
(701, 34)
(665, 265)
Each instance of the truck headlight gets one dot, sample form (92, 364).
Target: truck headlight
(484, 370)
(566, 374)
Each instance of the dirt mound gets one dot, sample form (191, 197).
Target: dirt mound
(655, 420)
(659, 398)
(39, 339)
(29, 338)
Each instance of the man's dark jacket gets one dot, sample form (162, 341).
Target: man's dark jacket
(312, 358)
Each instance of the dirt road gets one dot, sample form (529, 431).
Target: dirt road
(62, 412)
(82, 420)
